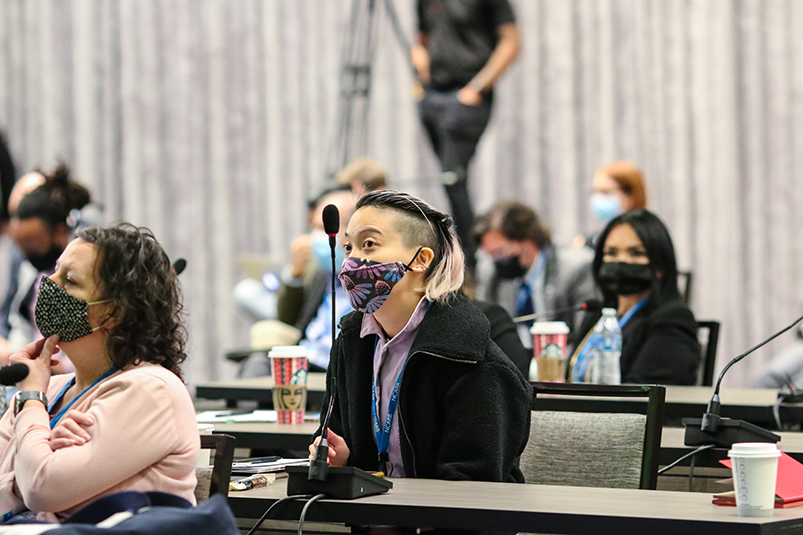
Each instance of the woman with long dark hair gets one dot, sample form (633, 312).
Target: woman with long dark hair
(635, 268)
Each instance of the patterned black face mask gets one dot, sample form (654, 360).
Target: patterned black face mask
(58, 312)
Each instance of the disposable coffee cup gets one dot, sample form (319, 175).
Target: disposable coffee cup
(549, 350)
(203, 456)
(289, 365)
(755, 469)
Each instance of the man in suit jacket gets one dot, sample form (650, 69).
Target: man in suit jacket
(530, 274)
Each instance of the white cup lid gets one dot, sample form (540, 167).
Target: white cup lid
(754, 449)
(283, 352)
(549, 327)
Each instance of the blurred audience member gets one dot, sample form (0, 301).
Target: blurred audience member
(8, 175)
(618, 188)
(636, 270)
(530, 274)
(305, 293)
(462, 49)
(45, 209)
(786, 366)
(363, 175)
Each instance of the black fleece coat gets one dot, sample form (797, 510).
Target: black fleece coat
(659, 344)
(464, 408)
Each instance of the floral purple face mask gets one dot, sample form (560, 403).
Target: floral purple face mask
(369, 282)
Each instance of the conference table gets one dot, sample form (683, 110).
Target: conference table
(467, 505)
(672, 447)
(258, 389)
(270, 435)
(754, 405)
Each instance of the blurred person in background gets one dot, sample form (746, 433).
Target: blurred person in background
(635, 268)
(786, 366)
(45, 211)
(8, 175)
(530, 274)
(304, 299)
(618, 188)
(462, 48)
(363, 175)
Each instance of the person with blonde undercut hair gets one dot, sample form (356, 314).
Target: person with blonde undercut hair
(415, 361)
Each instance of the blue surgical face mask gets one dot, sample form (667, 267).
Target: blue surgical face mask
(322, 253)
(605, 206)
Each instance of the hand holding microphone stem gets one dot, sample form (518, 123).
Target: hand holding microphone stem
(338, 449)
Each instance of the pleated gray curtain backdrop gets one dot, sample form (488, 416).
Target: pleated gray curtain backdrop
(209, 122)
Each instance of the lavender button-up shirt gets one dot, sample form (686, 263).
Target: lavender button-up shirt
(389, 359)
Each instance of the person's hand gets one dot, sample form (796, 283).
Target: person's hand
(71, 430)
(300, 254)
(37, 356)
(469, 96)
(338, 449)
(420, 58)
(418, 90)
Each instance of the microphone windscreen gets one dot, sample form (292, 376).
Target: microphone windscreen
(331, 219)
(179, 266)
(11, 375)
(593, 305)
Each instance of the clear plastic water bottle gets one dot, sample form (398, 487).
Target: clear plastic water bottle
(608, 349)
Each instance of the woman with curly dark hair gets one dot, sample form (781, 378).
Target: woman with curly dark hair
(124, 420)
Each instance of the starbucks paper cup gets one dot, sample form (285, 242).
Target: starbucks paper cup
(289, 365)
(755, 469)
(549, 350)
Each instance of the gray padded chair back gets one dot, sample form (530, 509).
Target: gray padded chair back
(585, 449)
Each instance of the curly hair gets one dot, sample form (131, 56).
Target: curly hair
(135, 274)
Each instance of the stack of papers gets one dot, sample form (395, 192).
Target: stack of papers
(225, 416)
(262, 465)
(234, 417)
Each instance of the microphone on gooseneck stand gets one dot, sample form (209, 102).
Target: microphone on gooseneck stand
(593, 305)
(319, 468)
(343, 482)
(724, 432)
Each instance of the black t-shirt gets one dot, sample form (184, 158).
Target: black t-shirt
(462, 36)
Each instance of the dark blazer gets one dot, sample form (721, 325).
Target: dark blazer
(659, 344)
(464, 409)
(504, 333)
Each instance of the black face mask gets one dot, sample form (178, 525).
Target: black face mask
(510, 268)
(621, 278)
(45, 261)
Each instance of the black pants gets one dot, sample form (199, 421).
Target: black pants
(454, 130)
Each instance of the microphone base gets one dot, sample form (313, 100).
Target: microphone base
(342, 483)
(728, 432)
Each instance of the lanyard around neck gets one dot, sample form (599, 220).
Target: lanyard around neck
(629, 314)
(57, 417)
(383, 434)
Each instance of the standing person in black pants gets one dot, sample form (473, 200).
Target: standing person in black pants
(462, 48)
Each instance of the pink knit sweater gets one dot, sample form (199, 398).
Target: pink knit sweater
(144, 438)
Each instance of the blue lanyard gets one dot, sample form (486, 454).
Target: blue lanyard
(383, 434)
(57, 417)
(629, 314)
